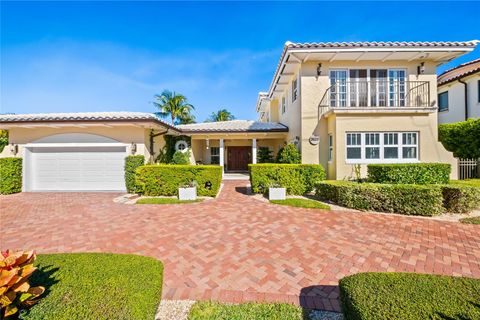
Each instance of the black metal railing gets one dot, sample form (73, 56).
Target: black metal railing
(377, 93)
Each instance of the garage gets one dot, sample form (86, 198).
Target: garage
(93, 164)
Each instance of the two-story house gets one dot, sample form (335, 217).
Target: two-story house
(459, 93)
(344, 105)
(350, 104)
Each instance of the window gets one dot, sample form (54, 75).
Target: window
(372, 142)
(330, 147)
(381, 147)
(443, 101)
(214, 155)
(478, 90)
(354, 143)
(294, 89)
(409, 149)
(284, 102)
(390, 142)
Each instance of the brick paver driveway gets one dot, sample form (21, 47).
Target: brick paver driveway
(236, 248)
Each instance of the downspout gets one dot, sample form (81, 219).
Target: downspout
(466, 97)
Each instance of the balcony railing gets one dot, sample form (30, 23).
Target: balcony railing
(377, 93)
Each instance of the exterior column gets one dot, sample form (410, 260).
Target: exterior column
(222, 161)
(254, 151)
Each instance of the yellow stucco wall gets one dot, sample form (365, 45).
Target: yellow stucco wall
(123, 134)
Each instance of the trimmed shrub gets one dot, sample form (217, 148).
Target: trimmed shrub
(404, 199)
(264, 155)
(181, 157)
(460, 198)
(410, 173)
(10, 175)
(289, 154)
(131, 164)
(298, 179)
(461, 138)
(409, 296)
(164, 180)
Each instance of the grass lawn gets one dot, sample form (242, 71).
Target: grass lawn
(252, 311)
(165, 201)
(302, 203)
(409, 296)
(96, 286)
(468, 182)
(471, 220)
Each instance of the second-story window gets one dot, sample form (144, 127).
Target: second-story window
(284, 104)
(443, 101)
(294, 89)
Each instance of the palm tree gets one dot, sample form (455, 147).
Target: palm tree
(173, 105)
(186, 119)
(221, 115)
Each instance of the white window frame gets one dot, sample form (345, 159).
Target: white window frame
(212, 156)
(294, 89)
(348, 103)
(382, 145)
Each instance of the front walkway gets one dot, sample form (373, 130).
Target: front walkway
(235, 248)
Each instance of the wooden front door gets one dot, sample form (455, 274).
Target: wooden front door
(238, 158)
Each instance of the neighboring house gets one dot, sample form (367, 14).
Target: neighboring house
(342, 104)
(350, 104)
(86, 151)
(459, 93)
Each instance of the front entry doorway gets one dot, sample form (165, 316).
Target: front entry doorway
(238, 158)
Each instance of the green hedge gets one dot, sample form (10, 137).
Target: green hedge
(404, 199)
(164, 179)
(409, 296)
(131, 164)
(461, 138)
(10, 175)
(410, 173)
(297, 178)
(460, 198)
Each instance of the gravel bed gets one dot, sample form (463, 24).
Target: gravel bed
(325, 315)
(174, 309)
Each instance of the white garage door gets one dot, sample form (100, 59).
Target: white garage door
(76, 169)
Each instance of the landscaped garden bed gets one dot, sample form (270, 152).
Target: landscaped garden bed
(96, 286)
(427, 193)
(166, 201)
(218, 311)
(409, 296)
(302, 203)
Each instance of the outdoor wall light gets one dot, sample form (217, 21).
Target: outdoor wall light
(14, 149)
(207, 142)
(133, 148)
(296, 140)
(319, 69)
(421, 68)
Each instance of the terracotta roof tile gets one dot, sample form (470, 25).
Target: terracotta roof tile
(234, 126)
(459, 71)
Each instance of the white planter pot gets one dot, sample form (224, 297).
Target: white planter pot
(277, 193)
(187, 193)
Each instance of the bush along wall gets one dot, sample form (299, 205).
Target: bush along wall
(298, 179)
(460, 198)
(131, 164)
(164, 180)
(396, 198)
(410, 173)
(10, 175)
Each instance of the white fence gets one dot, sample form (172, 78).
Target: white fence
(468, 168)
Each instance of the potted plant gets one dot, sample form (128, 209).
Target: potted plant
(277, 192)
(188, 191)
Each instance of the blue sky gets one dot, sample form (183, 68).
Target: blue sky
(114, 56)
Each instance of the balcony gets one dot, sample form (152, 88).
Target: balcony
(381, 94)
